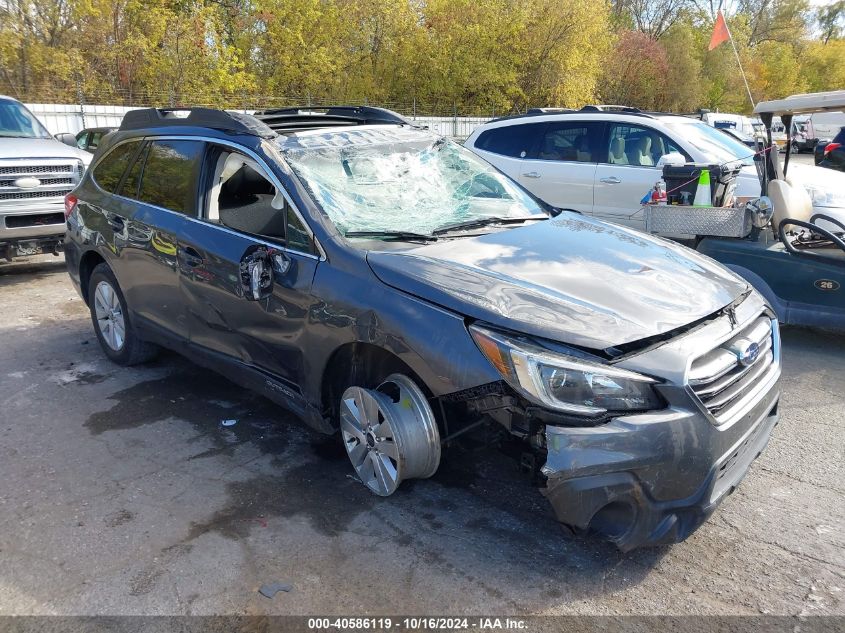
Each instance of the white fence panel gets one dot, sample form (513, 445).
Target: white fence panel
(72, 118)
(458, 127)
(59, 117)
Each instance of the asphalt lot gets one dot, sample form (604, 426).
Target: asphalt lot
(121, 493)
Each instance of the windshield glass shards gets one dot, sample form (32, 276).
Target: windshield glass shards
(401, 180)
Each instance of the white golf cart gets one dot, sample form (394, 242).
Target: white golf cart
(794, 257)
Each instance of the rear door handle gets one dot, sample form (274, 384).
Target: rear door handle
(117, 223)
(532, 174)
(190, 256)
(611, 180)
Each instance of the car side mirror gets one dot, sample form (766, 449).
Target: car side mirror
(66, 138)
(676, 159)
(257, 274)
(761, 210)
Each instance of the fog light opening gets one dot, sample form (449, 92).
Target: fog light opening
(614, 520)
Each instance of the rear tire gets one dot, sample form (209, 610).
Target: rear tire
(110, 317)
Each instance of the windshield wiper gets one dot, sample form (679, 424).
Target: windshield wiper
(479, 222)
(394, 235)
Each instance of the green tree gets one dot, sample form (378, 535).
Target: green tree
(831, 20)
(563, 47)
(684, 82)
(822, 65)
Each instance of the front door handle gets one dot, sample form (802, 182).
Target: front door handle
(532, 174)
(190, 256)
(117, 223)
(611, 180)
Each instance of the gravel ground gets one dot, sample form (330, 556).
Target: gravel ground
(121, 493)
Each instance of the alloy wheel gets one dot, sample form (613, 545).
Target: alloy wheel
(390, 433)
(110, 319)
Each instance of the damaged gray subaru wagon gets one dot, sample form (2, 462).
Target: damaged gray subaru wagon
(392, 287)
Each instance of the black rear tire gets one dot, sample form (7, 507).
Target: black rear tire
(133, 350)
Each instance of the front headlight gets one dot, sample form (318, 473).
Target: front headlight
(826, 197)
(565, 383)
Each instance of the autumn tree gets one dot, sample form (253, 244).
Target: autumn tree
(831, 21)
(444, 56)
(636, 73)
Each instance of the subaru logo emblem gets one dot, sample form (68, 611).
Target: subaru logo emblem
(747, 352)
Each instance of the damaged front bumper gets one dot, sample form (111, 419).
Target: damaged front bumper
(653, 478)
(649, 482)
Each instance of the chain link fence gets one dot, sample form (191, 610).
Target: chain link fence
(76, 107)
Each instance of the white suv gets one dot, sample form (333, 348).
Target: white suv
(602, 161)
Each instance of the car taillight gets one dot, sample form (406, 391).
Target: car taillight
(830, 147)
(70, 204)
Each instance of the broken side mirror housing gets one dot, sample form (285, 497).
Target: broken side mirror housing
(257, 274)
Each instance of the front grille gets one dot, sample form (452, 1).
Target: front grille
(723, 377)
(34, 170)
(27, 195)
(44, 181)
(37, 219)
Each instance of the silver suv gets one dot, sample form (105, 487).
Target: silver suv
(602, 160)
(36, 172)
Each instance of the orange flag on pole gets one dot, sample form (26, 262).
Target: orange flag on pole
(720, 33)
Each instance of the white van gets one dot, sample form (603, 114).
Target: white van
(827, 124)
(723, 120)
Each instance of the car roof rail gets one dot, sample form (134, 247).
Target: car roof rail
(532, 112)
(587, 109)
(312, 117)
(614, 109)
(549, 110)
(232, 122)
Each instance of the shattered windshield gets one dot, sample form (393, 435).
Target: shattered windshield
(399, 179)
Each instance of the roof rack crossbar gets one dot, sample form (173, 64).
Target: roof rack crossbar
(314, 116)
(233, 122)
(549, 110)
(615, 109)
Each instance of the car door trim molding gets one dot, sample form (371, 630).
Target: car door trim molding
(209, 139)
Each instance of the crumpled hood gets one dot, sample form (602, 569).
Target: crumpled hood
(24, 148)
(571, 279)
